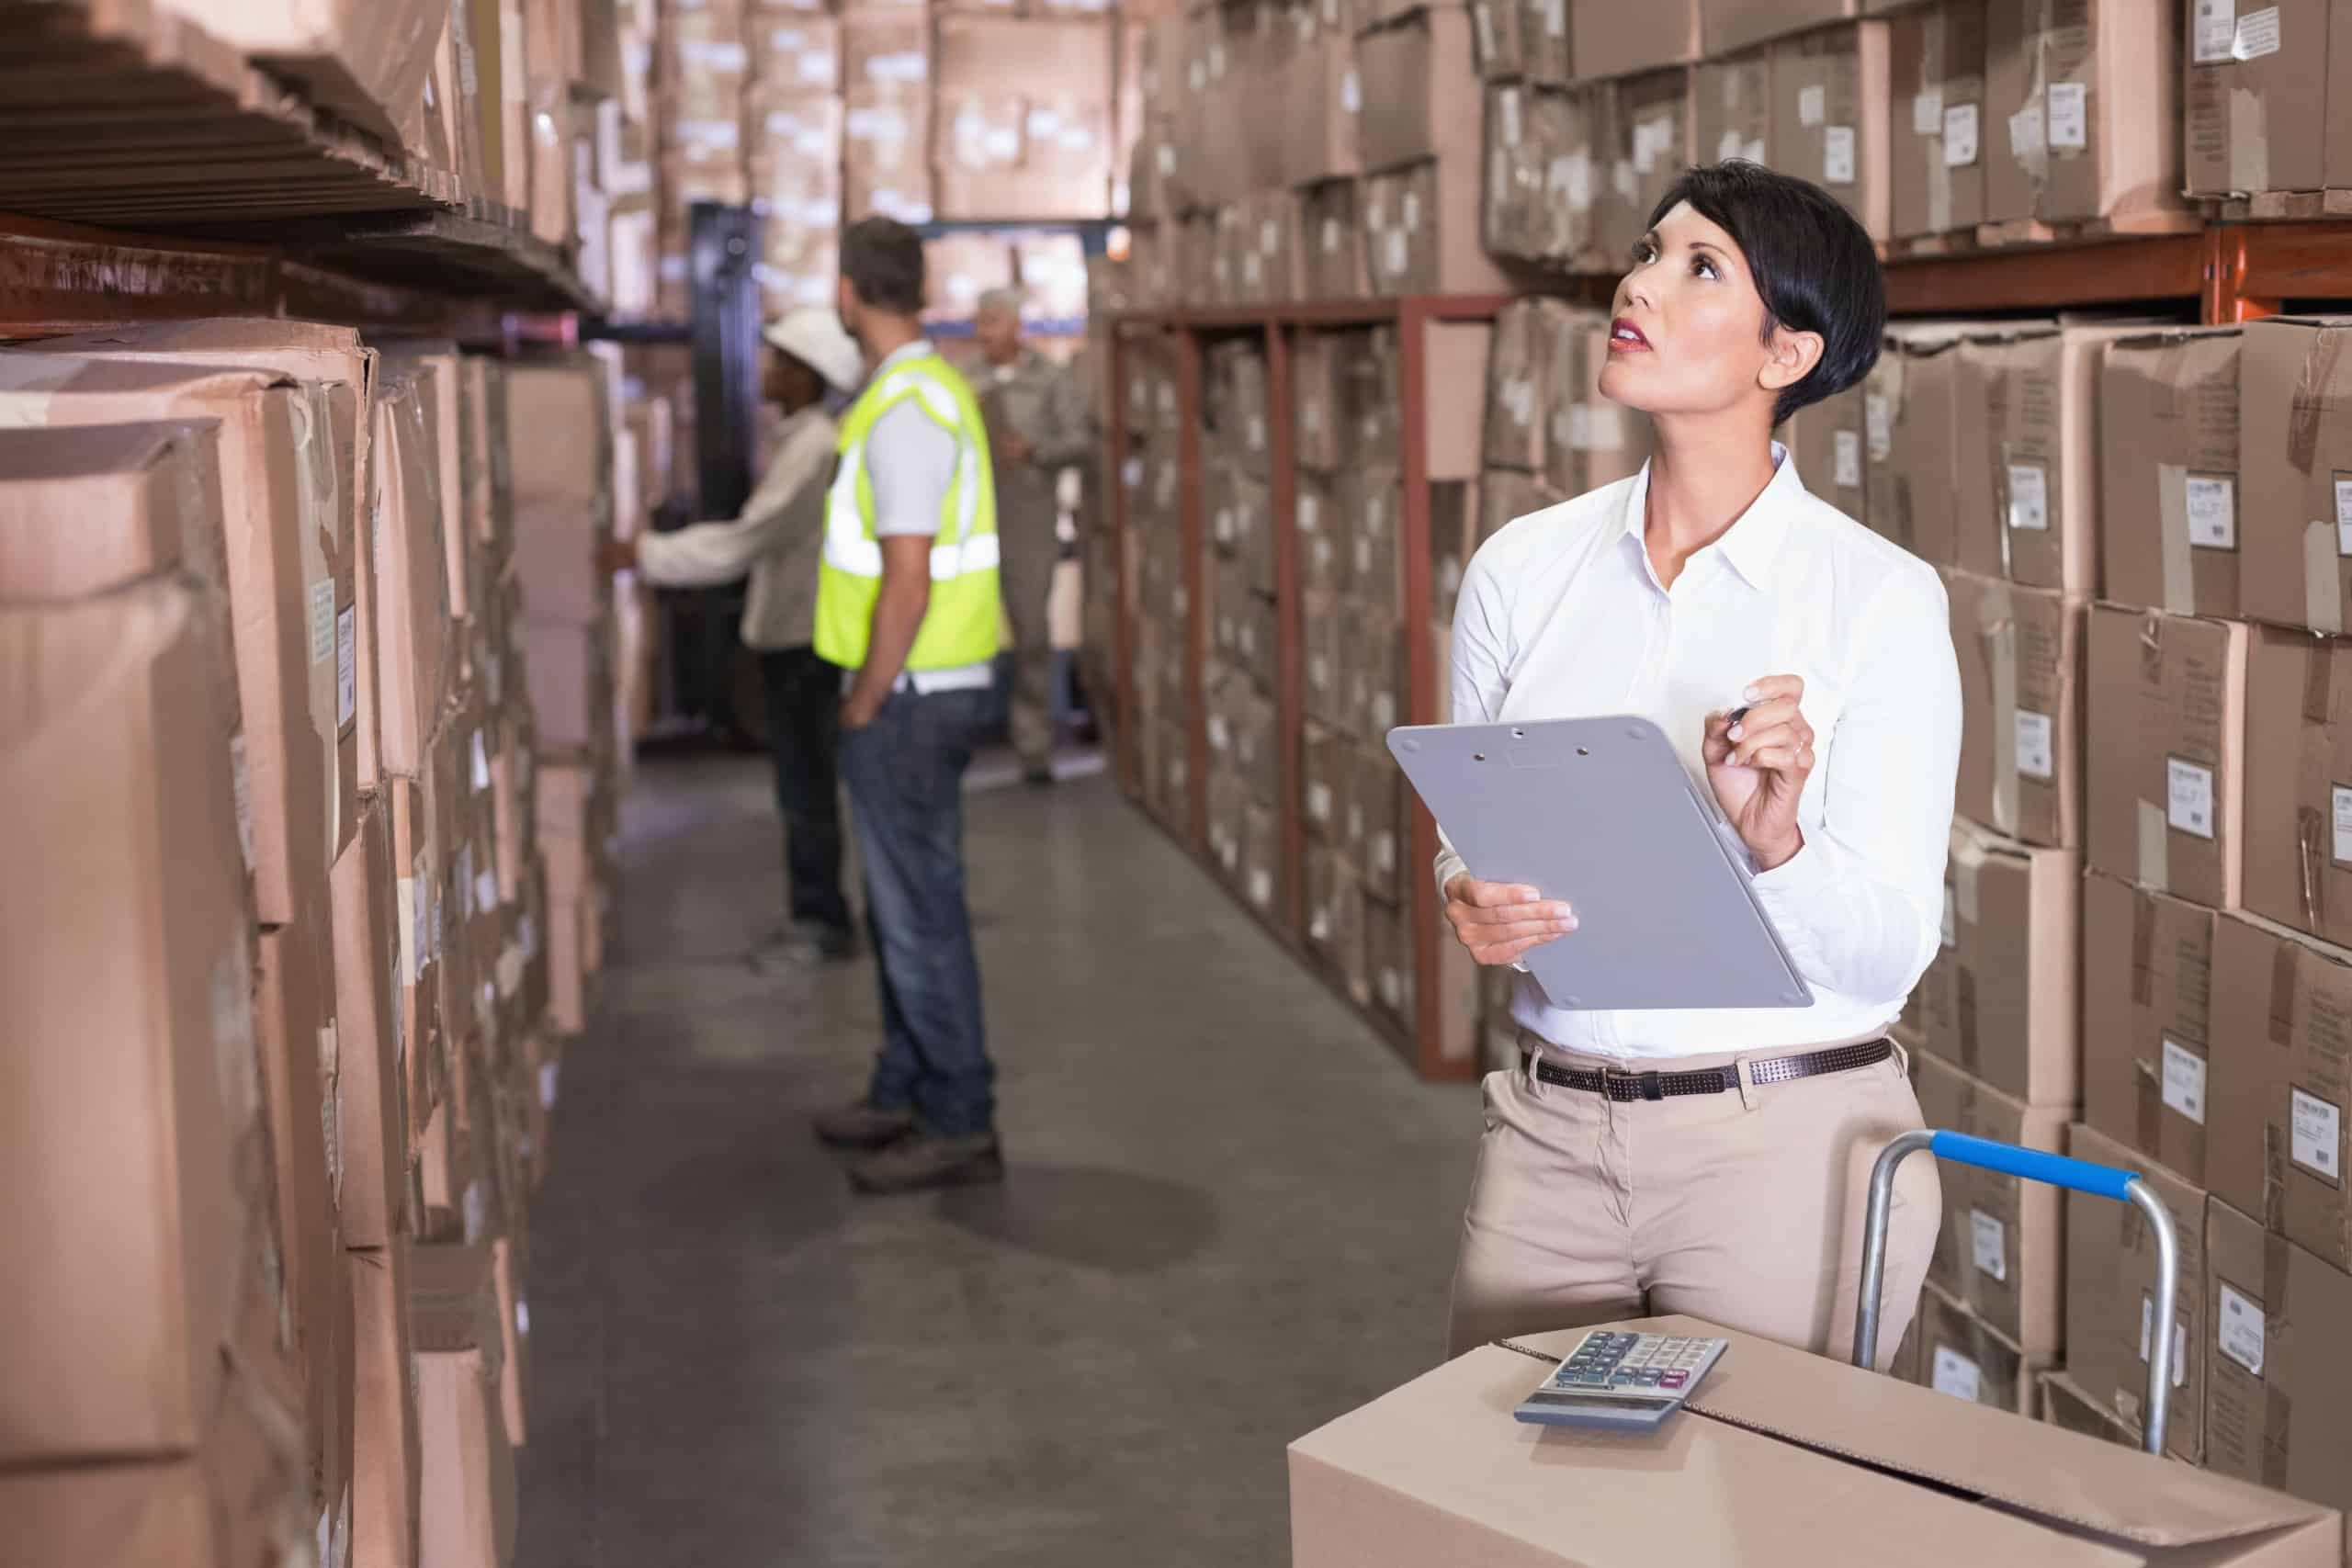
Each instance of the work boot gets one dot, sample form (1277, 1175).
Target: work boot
(925, 1160)
(1038, 775)
(804, 943)
(859, 1125)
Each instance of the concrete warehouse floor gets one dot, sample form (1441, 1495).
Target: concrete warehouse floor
(1231, 1215)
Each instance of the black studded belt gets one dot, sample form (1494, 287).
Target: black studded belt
(1626, 1086)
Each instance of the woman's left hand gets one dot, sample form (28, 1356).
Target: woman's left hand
(1757, 767)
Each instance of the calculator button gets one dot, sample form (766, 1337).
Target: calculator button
(1674, 1380)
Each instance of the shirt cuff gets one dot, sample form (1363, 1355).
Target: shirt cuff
(1791, 886)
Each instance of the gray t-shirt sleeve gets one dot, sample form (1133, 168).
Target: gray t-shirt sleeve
(910, 461)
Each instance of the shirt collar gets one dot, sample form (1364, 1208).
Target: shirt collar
(1752, 544)
(919, 349)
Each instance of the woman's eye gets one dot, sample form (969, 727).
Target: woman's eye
(1645, 252)
(1702, 267)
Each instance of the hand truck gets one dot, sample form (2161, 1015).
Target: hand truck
(2058, 1170)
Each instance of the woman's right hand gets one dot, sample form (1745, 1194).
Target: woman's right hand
(1498, 921)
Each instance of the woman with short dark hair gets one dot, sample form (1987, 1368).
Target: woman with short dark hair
(1804, 667)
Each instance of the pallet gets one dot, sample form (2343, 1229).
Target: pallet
(2088, 231)
(2283, 206)
(1923, 247)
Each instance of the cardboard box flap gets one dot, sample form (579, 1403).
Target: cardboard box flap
(2057, 1477)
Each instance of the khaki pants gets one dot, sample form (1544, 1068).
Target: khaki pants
(1742, 1208)
(1031, 554)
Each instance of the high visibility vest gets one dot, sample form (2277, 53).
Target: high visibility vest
(960, 625)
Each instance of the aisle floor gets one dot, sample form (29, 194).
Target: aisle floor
(1230, 1216)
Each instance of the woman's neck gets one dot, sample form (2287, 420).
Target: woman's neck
(1703, 478)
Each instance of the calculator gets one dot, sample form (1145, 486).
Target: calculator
(1625, 1382)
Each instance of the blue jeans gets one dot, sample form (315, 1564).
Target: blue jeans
(904, 773)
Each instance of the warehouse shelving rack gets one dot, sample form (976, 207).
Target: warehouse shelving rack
(2228, 271)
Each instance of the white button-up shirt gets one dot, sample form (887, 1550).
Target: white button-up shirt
(1561, 615)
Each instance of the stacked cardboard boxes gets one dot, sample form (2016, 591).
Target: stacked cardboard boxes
(1239, 682)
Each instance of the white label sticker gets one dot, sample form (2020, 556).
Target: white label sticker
(1956, 1374)
(1397, 252)
(1990, 1241)
(1330, 236)
(2238, 1330)
(1485, 22)
(1509, 101)
(1961, 137)
(2341, 799)
(2037, 745)
(2179, 1340)
(1838, 155)
(1848, 462)
(2315, 1134)
(1813, 105)
(2185, 1081)
(2188, 789)
(1318, 802)
(2258, 35)
(2070, 120)
(1351, 93)
(1951, 918)
(1928, 112)
(1270, 236)
(321, 620)
(2344, 517)
(1257, 433)
(2025, 132)
(2029, 496)
(241, 792)
(2216, 30)
(1878, 425)
(346, 667)
(2212, 509)
(1262, 886)
(481, 764)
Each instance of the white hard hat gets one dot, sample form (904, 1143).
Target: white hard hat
(818, 340)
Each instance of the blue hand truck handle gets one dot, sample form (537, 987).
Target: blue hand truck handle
(2057, 1170)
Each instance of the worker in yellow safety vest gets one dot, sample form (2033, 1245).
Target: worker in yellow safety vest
(908, 607)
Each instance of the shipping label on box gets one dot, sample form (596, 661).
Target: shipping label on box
(2110, 1295)
(1999, 1249)
(2020, 654)
(2147, 1020)
(1829, 124)
(2168, 472)
(1961, 1355)
(2260, 99)
(2028, 398)
(1937, 122)
(2164, 761)
(1998, 1000)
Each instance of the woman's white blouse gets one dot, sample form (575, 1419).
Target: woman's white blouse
(1562, 616)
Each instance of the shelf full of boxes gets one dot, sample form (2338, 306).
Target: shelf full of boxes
(2134, 512)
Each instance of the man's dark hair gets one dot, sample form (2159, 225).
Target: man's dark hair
(882, 258)
(1814, 265)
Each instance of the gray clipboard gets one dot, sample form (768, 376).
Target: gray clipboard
(1600, 812)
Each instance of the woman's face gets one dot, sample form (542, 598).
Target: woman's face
(1688, 334)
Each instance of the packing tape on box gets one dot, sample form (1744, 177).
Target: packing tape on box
(2278, 1421)
(2282, 994)
(2155, 869)
(2274, 1179)
(2313, 844)
(2144, 947)
(2323, 604)
(2171, 538)
(2149, 1092)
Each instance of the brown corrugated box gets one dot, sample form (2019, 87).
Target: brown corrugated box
(1371, 513)
(1324, 764)
(387, 1461)
(2021, 662)
(1594, 441)
(1516, 218)
(2165, 758)
(1731, 106)
(2263, 104)
(416, 644)
(370, 1089)
(1650, 131)
(2111, 1294)
(1438, 1471)
(1375, 820)
(1827, 439)
(1516, 373)
(420, 885)
(1829, 118)
(2278, 1388)
(1608, 38)
(1323, 93)
(2083, 112)
(1023, 118)
(2276, 1144)
(1958, 1353)
(1939, 129)
(1999, 998)
(127, 945)
(1729, 25)
(2147, 1020)
(2299, 817)
(2168, 472)
(1908, 441)
(2001, 1245)
(1389, 959)
(1506, 495)
(1338, 266)
(2027, 433)
(1335, 914)
(467, 1482)
(887, 132)
(2065, 1404)
(1421, 229)
(1415, 76)
(1373, 672)
(1454, 535)
(365, 61)
(2298, 514)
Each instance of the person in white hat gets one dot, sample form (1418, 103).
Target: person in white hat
(775, 541)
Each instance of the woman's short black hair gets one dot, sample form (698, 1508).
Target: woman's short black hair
(1814, 265)
(882, 258)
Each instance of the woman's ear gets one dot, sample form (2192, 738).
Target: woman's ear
(1790, 357)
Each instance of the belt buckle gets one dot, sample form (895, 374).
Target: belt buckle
(1649, 1083)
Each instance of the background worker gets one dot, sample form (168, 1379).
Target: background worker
(908, 605)
(1039, 426)
(775, 540)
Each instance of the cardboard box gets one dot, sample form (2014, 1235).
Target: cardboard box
(1999, 999)
(1593, 440)
(1608, 39)
(1372, 658)
(370, 1105)
(2164, 798)
(1374, 828)
(2020, 653)
(1024, 117)
(1939, 130)
(2296, 737)
(2028, 397)
(2000, 1251)
(1516, 373)
(2065, 1404)
(467, 1479)
(2275, 1143)
(2293, 395)
(1728, 26)
(2262, 102)
(1325, 699)
(2147, 1020)
(1454, 537)
(1505, 496)
(420, 888)
(1421, 230)
(1650, 127)
(290, 579)
(2111, 1294)
(134, 1063)
(1731, 108)
(1413, 77)
(1327, 774)
(387, 1461)
(1829, 118)
(2091, 105)
(1389, 959)
(1335, 918)
(2168, 472)
(1371, 508)
(1261, 860)
(1323, 93)
(366, 62)
(417, 647)
(2275, 1405)
(1436, 1471)
(1516, 218)
(1909, 440)
(1960, 1354)
(1828, 439)
(1337, 261)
